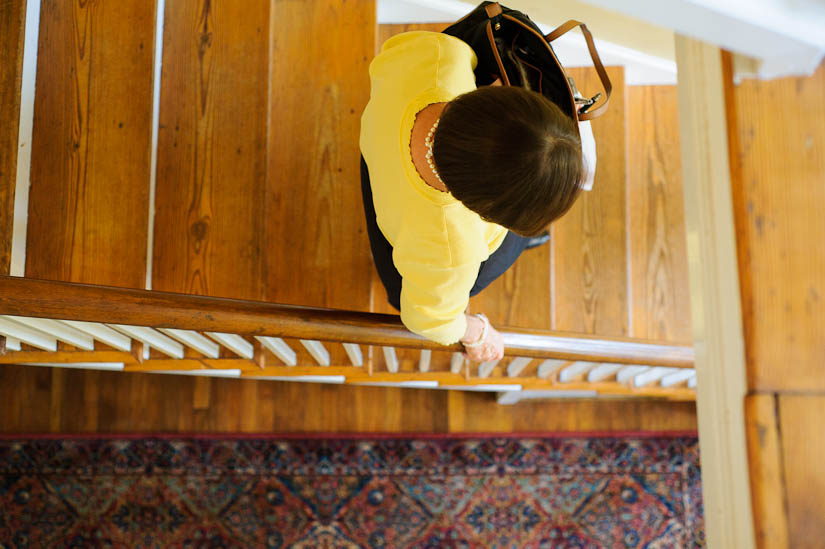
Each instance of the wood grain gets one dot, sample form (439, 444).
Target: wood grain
(12, 31)
(133, 402)
(779, 196)
(589, 276)
(765, 461)
(212, 150)
(318, 90)
(88, 204)
(659, 286)
(803, 445)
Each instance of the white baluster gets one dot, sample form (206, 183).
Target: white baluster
(602, 372)
(12, 344)
(456, 363)
(152, 338)
(548, 367)
(280, 349)
(677, 377)
(629, 372)
(317, 350)
(194, 340)
(103, 334)
(574, 370)
(486, 368)
(391, 359)
(234, 343)
(60, 331)
(354, 353)
(654, 374)
(424, 360)
(29, 336)
(517, 365)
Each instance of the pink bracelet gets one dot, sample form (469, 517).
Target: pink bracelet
(483, 331)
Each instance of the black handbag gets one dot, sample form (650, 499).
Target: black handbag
(511, 47)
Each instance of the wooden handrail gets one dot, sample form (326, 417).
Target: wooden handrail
(71, 301)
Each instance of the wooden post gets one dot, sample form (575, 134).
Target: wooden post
(714, 289)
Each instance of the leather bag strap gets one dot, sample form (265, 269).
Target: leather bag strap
(597, 63)
(494, 10)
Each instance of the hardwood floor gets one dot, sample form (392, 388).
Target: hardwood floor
(258, 197)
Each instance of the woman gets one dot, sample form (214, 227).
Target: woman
(455, 182)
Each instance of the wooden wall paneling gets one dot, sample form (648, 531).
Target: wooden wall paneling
(88, 203)
(765, 461)
(660, 292)
(779, 191)
(803, 445)
(12, 31)
(589, 246)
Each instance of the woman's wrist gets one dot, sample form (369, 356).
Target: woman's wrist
(477, 328)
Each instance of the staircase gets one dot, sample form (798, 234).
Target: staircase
(255, 197)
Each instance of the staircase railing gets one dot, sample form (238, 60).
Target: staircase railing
(47, 322)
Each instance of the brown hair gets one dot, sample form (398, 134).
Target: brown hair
(511, 156)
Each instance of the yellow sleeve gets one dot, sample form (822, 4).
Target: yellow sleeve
(433, 299)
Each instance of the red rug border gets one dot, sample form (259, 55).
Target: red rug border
(346, 436)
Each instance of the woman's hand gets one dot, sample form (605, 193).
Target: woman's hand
(492, 346)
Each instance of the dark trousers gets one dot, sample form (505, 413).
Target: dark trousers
(496, 264)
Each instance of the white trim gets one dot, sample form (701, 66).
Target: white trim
(280, 349)
(160, 9)
(12, 344)
(24, 139)
(233, 373)
(483, 387)
(410, 384)
(337, 380)
(512, 397)
(108, 366)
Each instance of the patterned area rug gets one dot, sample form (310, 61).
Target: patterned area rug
(433, 492)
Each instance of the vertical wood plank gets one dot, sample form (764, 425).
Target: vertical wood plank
(778, 162)
(88, 204)
(12, 33)
(589, 243)
(803, 445)
(715, 305)
(660, 293)
(766, 471)
(314, 211)
(209, 221)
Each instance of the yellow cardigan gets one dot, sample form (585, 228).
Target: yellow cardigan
(438, 244)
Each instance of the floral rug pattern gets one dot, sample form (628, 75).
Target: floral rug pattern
(553, 492)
